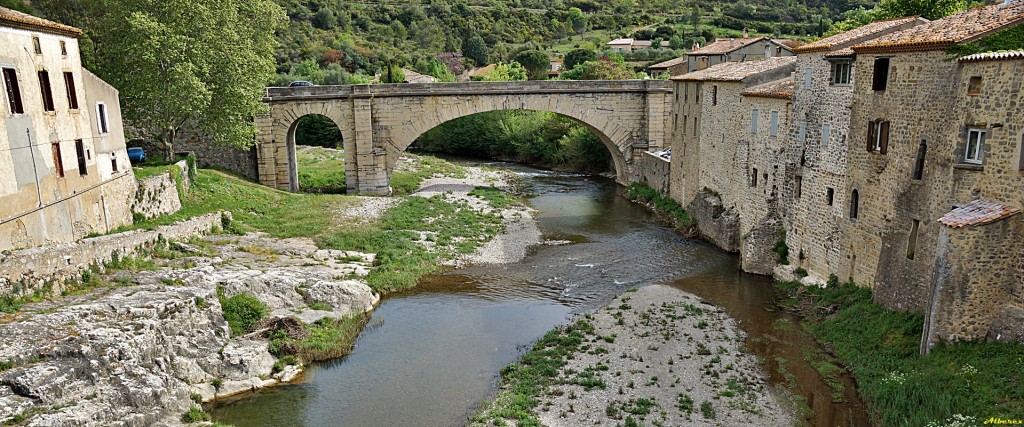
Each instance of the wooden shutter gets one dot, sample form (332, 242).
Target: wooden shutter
(883, 132)
(871, 136)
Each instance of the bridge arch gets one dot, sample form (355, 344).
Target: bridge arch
(378, 122)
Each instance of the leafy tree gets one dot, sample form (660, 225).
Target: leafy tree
(535, 62)
(677, 43)
(602, 69)
(578, 20)
(476, 49)
(931, 9)
(578, 56)
(438, 70)
(206, 67)
(321, 131)
(325, 19)
(392, 74)
(16, 5)
(452, 60)
(506, 73)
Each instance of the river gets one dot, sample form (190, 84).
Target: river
(430, 356)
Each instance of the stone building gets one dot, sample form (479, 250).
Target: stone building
(735, 50)
(64, 172)
(817, 142)
(673, 67)
(713, 131)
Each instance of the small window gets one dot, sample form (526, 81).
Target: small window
(69, 85)
(714, 95)
(881, 75)
(113, 162)
(974, 86)
(686, 92)
(686, 118)
(695, 125)
(802, 131)
(841, 73)
(826, 130)
(753, 177)
(807, 78)
(753, 121)
(774, 129)
(44, 87)
(36, 46)
(854, 202)
(975, 145)
(799, 186)
(912, 241)
(922, 151)
(58, 162)
(696, 93)
(830, 195)
(101, 118)
(63, 48)
(13, 91)
(878, 136)
(80, 151)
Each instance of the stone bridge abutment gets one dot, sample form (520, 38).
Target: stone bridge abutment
(378, 122)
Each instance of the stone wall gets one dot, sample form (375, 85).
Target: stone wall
(655, 171)
(159, 194)
(209, 154)
(30, 269)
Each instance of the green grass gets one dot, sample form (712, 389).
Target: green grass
(321, 170)
(148, 171)
(495, 197)
(194, 414)
(324, 339)
(526, 380)
(242, 312)
(881, 347)
(664, 206)
(407, 181)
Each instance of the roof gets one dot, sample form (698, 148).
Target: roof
(859, 34)
(414, 77)
(622, 41)
(940, 34)
(15, 19)
(781, 89)
(670, 62)
(993, 56)
(724, 46)
(978, 212)
(482, 70)
(737, 71)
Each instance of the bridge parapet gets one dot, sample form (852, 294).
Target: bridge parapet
(283, 94)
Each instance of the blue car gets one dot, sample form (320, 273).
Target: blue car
(136, 154)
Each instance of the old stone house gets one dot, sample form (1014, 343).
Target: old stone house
(629, 44)
(64, 172)
(816, 151)
(673, 67)
(713, 132)
(735, 50)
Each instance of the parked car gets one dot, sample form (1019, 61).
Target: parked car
(300, 83)
(136, 154)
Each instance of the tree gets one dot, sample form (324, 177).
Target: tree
(506, 73)
(476, 49)
(578, 20)
(602, 69)
(392, 74)
(439, 71)
(930, 9)
(206, 67)
(578, 56)
(535, 62)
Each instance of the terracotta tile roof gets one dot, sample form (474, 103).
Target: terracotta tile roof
(791, 44)
(737, 71)
(993, 56)
(841, 53)
(13, 18)
(724, 46)
(978, 212)
(782, 89)
(669, 63)
(859, 34)
(940, 34)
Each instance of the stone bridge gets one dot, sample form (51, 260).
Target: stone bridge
(378, 122)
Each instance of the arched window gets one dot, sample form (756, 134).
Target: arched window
(854, 202)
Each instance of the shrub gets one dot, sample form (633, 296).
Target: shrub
(195, 414)
(242, 312)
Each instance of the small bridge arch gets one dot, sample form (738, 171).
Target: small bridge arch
(378, 122)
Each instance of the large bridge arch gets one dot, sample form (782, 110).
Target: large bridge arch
(379, 122)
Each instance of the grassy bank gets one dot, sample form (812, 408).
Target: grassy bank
(665, 207)
(321, 170)
(962, 384)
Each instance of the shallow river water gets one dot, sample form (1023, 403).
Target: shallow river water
(430, 356)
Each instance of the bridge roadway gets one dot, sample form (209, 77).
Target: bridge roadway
(378, 122)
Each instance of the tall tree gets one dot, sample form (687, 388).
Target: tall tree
(578, 20)
(476, 49)
(183, 62)
(535, 62)
(578, 56)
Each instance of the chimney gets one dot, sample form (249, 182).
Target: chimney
(745, 33)
(730, 42)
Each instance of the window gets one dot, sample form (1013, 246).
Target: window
(807, 78)
(878, 136)
(774, 129)
(80, 151)
(13, 92)
(841, 73)
(695, 125)
(101, 118)
(922, 150)
(36, 46)
(63, 48)
(69, 85)
(974, 86)
(58, 162)
(685, 119)
(1021, 166)
(881, 78)
(44, 87)
(854, 202)
(696, 93)
(753, 177)
(714, 95)
(799, 186)
(686, 92)
(830, 195)
(912, 241)
(753, 121)
(113, 162)
(975, 145)
(802, 132)
(826, 130)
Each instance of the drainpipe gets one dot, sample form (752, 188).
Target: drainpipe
(39, 192)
